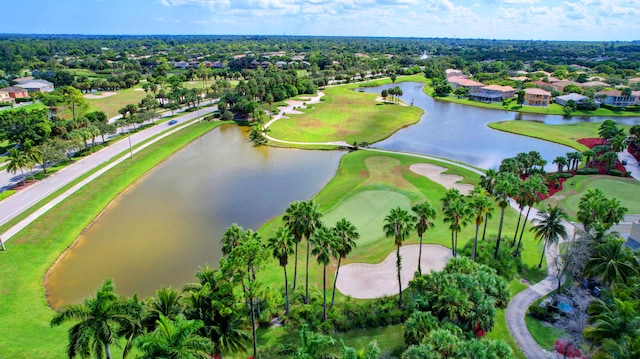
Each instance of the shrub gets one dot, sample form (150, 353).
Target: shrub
(540, 313)
(506, 265)
(587, 171)
(564, 175)
(615, 173)
(23, 99)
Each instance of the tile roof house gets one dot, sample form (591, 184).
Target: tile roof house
(454, 73)
(577, 98)
(4, 97)
(560, 85)
(36, 86)
(536, 97)
(594, 84)
(615, 98)
(491, 93)
(456, 82)
(16, 92)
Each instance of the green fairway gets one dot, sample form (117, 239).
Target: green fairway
(563, 134)
(111, 104)
(366, 210)
(624, 189)
(346, 115)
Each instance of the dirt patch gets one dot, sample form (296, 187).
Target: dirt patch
(366, 281)
(434, 173)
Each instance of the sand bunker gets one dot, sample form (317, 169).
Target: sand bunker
(434, 173)
(366, 281)
(104, 94)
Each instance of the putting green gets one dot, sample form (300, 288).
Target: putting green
(366, 210)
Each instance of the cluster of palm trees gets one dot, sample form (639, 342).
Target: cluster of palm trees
(393, 92)
(25, 157)
(202, 321)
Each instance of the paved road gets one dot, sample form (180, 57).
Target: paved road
(24, 199)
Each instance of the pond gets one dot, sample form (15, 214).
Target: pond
(170, 222)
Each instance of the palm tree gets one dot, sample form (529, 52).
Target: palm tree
(488, 182)
(588, 154)
(598, 214)
(99, 319)
(294, 224)
(504, 187)
(231, 238)
(17, 162)
(534, 186)
(167, 302)
(176, 339)
(348, 235)
(33, 155)
(549, 227)
(310, 218)
(561, 161)
(619, 142)
(397, 225)
(614, 319)
(425, 213)
(612, 261)
(325, 242)
(281, 245)
(456, 212)
(480, 205)
(609, 158)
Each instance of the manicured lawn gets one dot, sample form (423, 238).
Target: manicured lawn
(544, 334)
(346, 115)
(116, 102)
(24, 322)
(624, 189)
(563, 134)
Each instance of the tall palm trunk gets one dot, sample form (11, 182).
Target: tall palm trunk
(486, 219)
(522, 232)
(335, 281)
(475, 243)
(306, 282)
(420, 256)
(324, 293)
(286, 291)
(453, 247)
(543, 250)
(515, 235)
(107, 351)
(295, 268)
(399, 266)
(495, 255)
(253, 321)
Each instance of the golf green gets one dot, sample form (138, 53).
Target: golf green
(366, 210)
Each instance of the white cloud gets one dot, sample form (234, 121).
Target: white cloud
(519, 2)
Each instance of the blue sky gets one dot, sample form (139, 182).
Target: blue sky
(493, 19)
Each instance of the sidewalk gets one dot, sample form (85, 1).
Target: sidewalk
(632, 164)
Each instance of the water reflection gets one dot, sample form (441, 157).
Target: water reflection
(170, 222)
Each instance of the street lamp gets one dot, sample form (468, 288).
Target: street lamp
(130, 150)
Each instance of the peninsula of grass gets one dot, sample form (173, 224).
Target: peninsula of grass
(566, 134)
(346, 115)
(624, 189)
(24, 323)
